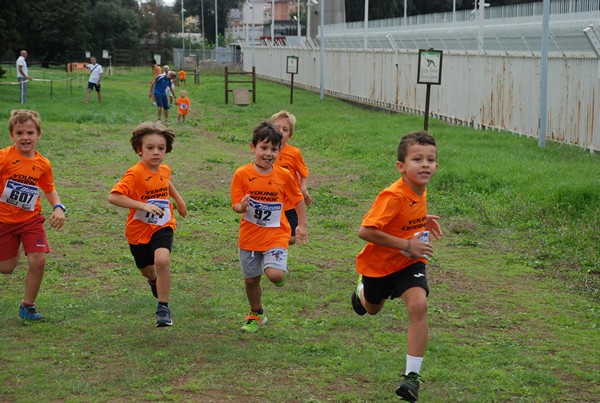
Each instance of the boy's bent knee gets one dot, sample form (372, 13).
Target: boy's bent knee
(9, 265)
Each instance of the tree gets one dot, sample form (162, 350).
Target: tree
(114, 24)
(194, 7)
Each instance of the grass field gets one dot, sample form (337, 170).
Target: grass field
(514, 304)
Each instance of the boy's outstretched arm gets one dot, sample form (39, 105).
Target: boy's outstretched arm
(57, 219)
(181, 207)
(413, 246)
(304, 189)
(120, 200)
(302, 228)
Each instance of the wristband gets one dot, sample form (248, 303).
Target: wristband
(408, 246)
(60, 206)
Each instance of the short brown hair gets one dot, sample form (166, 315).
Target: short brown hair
(265, 131)
(22, 116)
(420, 137)
(147, 128)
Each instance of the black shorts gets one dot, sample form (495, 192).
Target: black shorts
(144, 253)
(292, 218)
(395, 284)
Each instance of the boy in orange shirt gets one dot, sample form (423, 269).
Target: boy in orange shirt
(23, 173)
(291, 159)
(392, 264)
(145, 190)
(183, 106)
(258, 191)
(182, 76)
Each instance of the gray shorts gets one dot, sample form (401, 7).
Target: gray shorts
(254, 263)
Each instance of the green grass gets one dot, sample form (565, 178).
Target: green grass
(514, 313)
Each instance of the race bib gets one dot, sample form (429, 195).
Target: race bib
(152, 219)
(20, 195)
(264, 214)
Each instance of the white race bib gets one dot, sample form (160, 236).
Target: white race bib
(20, 195)
(152, 219)
(264, 214)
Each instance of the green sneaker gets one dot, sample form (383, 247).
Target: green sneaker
(253, 322)
(409, 387)
(282, 282)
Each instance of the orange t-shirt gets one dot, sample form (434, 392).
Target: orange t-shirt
(183, 105)
(291, 159)
(182, 75)
(156, 70)
(141, 184)
(264, 226)
(397, 211)
(21, 179)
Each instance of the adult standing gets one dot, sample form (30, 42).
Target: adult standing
(23, 75)
(158, 88)
(95, 79)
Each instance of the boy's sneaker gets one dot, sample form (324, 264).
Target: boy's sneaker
(153, 288)
(253, 322)
(163, 316)
(409, 387)
(356, 304)
(282, 282)
(29, 313)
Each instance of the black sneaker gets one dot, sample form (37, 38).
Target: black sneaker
(153, 288)
(356, 304)
(409, 387)
(163, 316)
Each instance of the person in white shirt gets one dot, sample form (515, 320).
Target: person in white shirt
(95, 79)
(23, 75)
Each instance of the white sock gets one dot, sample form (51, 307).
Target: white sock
(413, 364)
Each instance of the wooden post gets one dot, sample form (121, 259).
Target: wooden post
(426, 121)
(226, 86)
(292, 91)
(253, 84)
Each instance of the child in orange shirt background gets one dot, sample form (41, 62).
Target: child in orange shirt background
(291, 159)
(23, 173)
(392, 264)
(258, 192)
(182, 76)
(183, 106)
(145, 190)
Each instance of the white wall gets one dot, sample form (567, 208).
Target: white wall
(496, 90)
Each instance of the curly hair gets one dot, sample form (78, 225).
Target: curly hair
(147, 128)
(22, 116)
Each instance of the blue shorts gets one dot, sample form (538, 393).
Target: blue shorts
(162, 101)
(91, 86)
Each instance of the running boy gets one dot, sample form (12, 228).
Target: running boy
(23, 172)
(145, 190)
(392, 264)
(291, 159)
(183, 106)
(258, 191)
